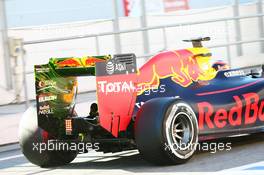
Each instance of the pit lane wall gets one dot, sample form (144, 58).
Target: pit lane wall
(220, 32)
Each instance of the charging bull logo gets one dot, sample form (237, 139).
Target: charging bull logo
(183, 66)
(235, 116)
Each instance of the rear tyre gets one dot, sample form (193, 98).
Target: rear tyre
(166, 131)
(32, 139)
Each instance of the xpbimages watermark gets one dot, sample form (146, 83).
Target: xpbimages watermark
(55, 145)
(211, 147)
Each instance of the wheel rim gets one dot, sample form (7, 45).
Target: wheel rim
(180, 131)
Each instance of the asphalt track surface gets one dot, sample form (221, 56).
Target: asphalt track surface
(245, 150)
(245, 157)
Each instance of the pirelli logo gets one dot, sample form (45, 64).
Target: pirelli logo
(68, 126)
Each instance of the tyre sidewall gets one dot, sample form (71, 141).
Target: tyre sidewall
(165, 141)
(150, 132)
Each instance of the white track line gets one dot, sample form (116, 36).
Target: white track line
(244, 167)
(11, 157)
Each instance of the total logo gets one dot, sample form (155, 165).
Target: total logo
(111, 67)
(235, 116)
(110, 87)
(45, 110)
(119, 87)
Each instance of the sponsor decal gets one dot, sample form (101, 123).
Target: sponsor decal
(110, 87)
(111, 67)
(119, 87)
(46, 97)
(220, 118)
(120, 67)
(46, 83)
(45, 110)
(42, 69)
(234, 73)
(183, 67)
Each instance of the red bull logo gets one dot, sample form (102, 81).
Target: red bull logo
(237, 115)
(183, 66)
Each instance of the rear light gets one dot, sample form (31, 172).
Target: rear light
(68, 126)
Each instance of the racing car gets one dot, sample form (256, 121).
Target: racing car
(164, 109)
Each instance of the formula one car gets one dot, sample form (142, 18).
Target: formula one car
(164, 109)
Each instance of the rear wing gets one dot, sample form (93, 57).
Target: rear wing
(72, 66)
(56, 89)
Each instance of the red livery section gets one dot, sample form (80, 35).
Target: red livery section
(246, 111)
(116, 97)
